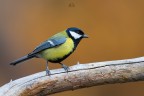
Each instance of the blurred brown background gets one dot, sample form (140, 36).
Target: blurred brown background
(115, 28)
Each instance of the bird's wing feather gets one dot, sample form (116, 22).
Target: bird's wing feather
(50, 43)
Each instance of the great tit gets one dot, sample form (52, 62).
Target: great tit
(56, 48)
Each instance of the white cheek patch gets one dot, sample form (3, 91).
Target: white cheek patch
(75, 35)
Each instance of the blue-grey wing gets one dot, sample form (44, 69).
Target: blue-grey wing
(50, 43)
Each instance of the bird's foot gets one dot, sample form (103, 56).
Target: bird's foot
(66, 68)
(48, 73)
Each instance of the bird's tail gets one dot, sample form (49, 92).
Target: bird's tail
(24, 58)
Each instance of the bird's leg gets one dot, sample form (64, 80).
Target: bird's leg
(66, 68)
(47, 70)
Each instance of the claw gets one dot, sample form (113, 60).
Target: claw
(47, 70)
(66, 68)
(48, 73)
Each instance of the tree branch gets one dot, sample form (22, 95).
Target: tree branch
(79, 76)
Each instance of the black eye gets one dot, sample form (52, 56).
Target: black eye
(76, 30)
(79, 32)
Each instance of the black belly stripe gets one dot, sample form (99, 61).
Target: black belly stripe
(58, 60)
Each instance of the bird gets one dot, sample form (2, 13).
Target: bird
(56, 48)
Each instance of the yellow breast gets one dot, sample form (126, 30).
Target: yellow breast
(58, 52)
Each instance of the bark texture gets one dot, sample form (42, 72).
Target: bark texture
(79, 76)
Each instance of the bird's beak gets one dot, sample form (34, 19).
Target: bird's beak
(85, 36)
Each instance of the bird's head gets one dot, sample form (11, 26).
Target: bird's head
(76, 33)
